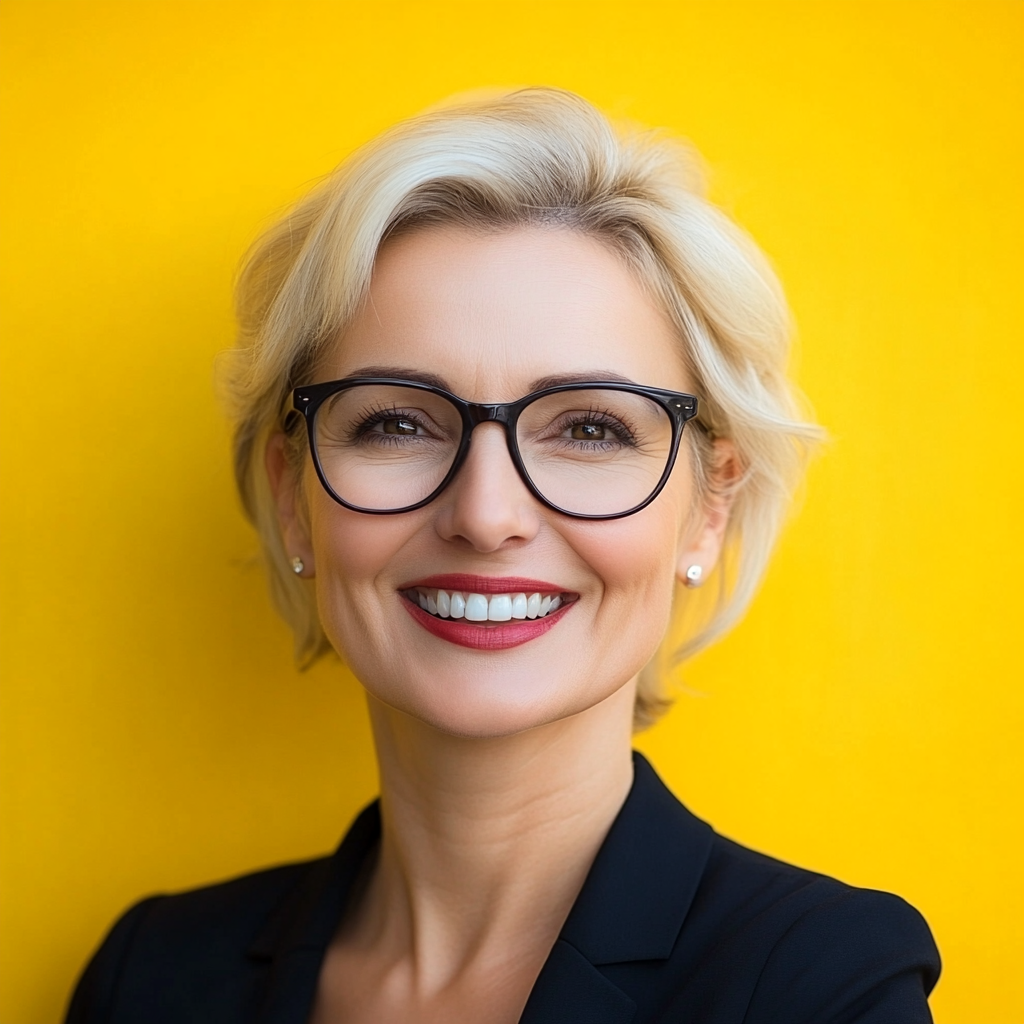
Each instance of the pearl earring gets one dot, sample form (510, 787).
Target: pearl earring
(297, 565)
(693, 575)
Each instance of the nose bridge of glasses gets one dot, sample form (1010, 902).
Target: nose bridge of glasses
(500, 415)
(488, 413)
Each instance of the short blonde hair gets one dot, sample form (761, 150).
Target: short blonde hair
(535, 156)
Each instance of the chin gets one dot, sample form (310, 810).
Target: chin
(506, 704)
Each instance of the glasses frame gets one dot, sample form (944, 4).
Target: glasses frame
(307, 400)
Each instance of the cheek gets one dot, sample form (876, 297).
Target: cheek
(637, 556)
(351, 551)
(635, 560)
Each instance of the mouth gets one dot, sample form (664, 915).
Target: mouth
(486, 613)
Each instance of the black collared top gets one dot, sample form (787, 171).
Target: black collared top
(674, 924)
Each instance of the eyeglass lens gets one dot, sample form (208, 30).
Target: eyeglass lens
(589, 452)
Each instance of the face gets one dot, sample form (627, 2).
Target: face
(491, 314)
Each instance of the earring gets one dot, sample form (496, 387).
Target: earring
(297, 565)
(693, 575)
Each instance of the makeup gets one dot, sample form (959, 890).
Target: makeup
(486, 612)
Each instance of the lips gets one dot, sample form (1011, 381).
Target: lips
(486, 612)
(483, 584)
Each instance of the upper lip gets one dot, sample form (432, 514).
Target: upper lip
(485, 584)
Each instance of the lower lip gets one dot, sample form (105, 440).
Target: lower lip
(492, 637)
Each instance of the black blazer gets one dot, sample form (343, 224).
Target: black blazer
(673, 924)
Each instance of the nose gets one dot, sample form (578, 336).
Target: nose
(487, 505)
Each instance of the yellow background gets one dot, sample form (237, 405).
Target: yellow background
(865, 719)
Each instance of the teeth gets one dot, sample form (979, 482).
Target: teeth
(484, 608)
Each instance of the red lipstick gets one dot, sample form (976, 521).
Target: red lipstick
(485, 584)
(483, 636)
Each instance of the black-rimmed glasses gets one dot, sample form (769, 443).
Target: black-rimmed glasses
(594, 450)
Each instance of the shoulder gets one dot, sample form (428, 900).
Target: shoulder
(212, 955)
(753, 886)
(201, 935)
(691, 926)
(851, 953)
(810, 947)
(226, 914)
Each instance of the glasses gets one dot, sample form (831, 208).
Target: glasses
(595, 450)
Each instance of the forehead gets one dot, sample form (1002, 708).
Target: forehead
(493, 312)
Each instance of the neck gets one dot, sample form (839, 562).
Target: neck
(484, 839)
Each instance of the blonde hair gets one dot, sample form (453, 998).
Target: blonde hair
(535, 156)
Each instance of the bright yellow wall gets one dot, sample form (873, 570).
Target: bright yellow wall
(865, 720)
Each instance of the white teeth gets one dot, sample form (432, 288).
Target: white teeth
(484, 608)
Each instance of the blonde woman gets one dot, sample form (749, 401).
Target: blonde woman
(510, 394)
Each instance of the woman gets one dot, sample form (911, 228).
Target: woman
(504, 380)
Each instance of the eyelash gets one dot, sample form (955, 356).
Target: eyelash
(622, 430)
(372, 417)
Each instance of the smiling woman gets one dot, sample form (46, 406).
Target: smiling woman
(505, 381)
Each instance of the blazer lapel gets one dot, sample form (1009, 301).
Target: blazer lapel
(295, 940)
(631, 907)
(571, 989)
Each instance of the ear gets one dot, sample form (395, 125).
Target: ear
(702, 545)
(285, 485)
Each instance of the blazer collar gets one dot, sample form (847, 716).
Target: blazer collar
(631, 907)
(295, 937)
(308, 917)
(644, 878)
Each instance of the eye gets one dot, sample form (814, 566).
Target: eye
(398, 425)
(588, 432)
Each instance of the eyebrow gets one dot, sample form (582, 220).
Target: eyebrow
(551, 381)
(596, 376)
(402, 373)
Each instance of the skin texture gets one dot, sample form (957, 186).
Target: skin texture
(501, 771)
